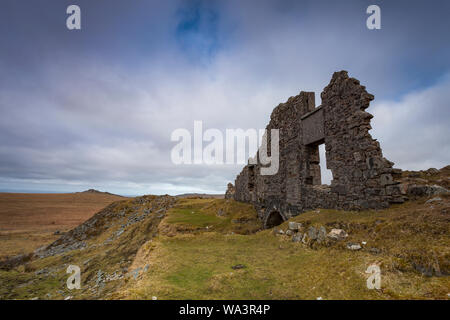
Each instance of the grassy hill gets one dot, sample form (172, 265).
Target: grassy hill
(173, 248)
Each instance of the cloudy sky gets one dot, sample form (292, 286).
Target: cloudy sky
(95, 108)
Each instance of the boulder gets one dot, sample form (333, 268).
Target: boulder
(337, 234)
(353, 246)
(426, 190)
(312, 233)
(321, 234)
(295, 226)
(437, 190)
(297, 237)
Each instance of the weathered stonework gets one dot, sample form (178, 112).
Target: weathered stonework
(229, 194)
(362, 177)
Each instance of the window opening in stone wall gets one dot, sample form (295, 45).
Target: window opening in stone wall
(325, 174)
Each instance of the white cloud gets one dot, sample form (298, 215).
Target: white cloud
(414, 131)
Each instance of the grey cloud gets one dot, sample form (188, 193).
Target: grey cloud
(99, 112)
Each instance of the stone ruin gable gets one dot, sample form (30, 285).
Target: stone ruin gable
(362, 177)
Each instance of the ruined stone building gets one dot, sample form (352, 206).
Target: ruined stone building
(362, 177)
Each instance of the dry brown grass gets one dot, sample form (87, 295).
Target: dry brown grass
(28, 221)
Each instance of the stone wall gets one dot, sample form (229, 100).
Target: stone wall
(362, 177)
(229, 194)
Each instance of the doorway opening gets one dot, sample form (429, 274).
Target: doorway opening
(274, 219)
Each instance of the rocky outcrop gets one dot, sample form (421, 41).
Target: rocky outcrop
(425, 183)
(313, 235)
(424, 190)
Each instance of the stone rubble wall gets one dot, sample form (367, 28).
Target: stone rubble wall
(229, 194)
(362, 177)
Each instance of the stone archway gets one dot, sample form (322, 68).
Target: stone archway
(273, 219)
